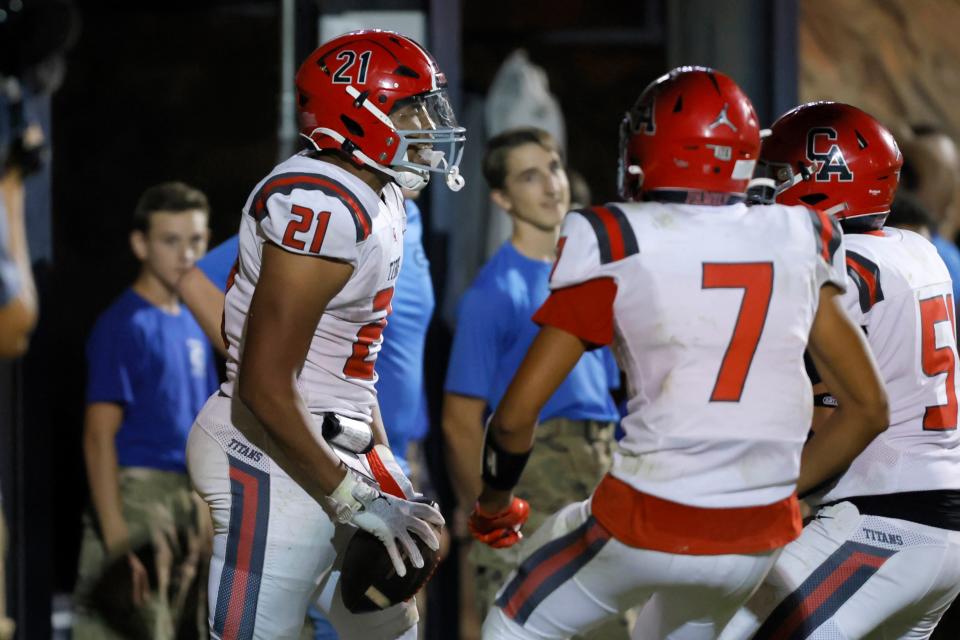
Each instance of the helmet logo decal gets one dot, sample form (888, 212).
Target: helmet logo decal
(342, 75)
(722, 119)
(720, 152)
(831, 162)
(641, 119)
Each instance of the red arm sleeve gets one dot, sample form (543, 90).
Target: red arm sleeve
(584, 310)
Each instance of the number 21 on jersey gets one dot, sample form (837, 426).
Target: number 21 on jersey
(359, 364)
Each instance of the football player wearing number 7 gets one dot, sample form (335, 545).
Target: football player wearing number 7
(709, 307)
(291, 454)
(882, 556)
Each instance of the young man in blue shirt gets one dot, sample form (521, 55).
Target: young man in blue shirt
(527, 179)
(150, 369)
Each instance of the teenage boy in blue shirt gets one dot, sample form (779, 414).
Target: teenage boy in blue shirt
(150, 369)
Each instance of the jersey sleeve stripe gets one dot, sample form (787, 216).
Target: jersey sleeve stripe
(603, 238)
(615, 237)
(285, 183)
(630, 246)
(827, 232)
(866, 275)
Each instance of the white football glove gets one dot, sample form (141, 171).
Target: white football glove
(389, 519)
(388, 473)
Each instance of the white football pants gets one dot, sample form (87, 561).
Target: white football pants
(577, 575)
(275, 550)
(853, 576)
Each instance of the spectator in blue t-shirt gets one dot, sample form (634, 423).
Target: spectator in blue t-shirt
(400, 386)
(527, 179)
(150, 370)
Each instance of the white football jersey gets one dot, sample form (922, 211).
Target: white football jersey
(712, 312)
(315, 208)
(900, 292)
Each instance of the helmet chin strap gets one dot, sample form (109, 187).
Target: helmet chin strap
(768, 183)
(455, 181)
(794, 180)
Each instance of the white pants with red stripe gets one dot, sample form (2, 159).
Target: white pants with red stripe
(275, 550)
(576, 576)
(854, 576)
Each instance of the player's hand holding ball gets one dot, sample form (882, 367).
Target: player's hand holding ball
(375, 572)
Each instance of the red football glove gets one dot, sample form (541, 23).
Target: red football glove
(499, 530)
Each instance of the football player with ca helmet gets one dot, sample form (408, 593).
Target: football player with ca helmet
(833, 157)
(709, 306)
(882, 556)
(291, 454)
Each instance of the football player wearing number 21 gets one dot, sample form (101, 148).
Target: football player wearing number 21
(709, 307)
(291, 453)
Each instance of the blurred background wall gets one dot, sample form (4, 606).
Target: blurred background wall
(896, 59)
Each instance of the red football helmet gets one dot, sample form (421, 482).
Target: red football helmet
(380, 98)
(691, 130)
(834, 157)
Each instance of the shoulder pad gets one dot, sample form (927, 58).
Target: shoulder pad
(865, 274)
(615, 237)
(285, 183)
(827, 233)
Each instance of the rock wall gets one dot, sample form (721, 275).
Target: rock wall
(897, 59)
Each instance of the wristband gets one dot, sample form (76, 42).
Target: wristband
(349, 496)
(501, 469)
(825, 400)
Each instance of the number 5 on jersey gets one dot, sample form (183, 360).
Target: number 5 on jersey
(941, 359)
(756, 280)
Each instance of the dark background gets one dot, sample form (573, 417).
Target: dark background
(154, 91)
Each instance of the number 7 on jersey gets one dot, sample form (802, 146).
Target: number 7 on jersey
(756, 280)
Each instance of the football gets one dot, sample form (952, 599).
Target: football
(368, 581)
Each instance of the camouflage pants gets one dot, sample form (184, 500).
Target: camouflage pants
(568, 461)
(171, 535)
